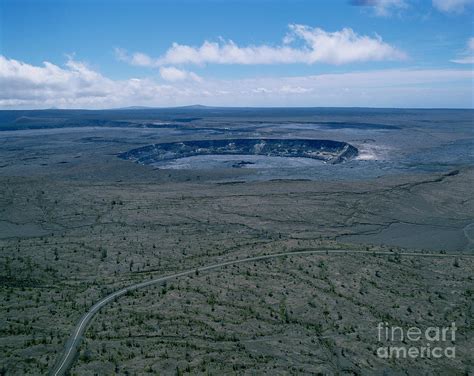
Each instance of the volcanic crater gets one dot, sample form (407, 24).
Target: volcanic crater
(328, 151)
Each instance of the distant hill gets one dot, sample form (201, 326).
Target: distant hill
(134, 108)
(195, 107)
(189, 107)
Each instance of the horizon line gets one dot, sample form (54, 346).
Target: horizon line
(204, 107)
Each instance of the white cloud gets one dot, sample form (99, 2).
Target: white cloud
(138, 58)
(451, 6)
(314, 46)
(344, 46)
(261, 90)
(295, 90)
(174, 74)
(468, 56)
(464, 60)
(382, 8)
(167, 73)
(75, 85)
(31, 81)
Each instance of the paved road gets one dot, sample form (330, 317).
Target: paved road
(71, 347)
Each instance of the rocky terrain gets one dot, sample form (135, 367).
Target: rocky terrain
(78, 223)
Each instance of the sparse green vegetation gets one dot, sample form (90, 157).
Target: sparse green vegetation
(70, 236)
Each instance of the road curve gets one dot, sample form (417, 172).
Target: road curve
(71, 347)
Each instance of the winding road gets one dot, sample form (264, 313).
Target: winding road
(70, 350)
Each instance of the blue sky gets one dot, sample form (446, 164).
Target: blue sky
(374, 53)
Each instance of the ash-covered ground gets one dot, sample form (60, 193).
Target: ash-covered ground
(78, 222)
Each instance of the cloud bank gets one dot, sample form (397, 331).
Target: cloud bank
(75, 85)
(303, 44)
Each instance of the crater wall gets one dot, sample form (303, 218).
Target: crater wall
(326, 150)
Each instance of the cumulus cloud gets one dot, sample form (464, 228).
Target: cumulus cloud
(302, 44)
(468, 56)
(381, 8)
(75, 85)
(451, 6)
(138, 59)
(174, 74)
(19, 79)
